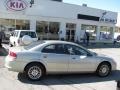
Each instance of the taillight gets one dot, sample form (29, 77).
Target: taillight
(13, 54)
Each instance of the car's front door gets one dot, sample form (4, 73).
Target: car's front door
(56, 58)
(80, 59)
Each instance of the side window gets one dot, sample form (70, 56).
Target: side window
(75, 50)
(54, 48)
(49, 49)
(80, 51)
(32, 34)
(23, 33)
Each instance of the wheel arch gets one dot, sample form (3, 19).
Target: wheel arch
(35, 62)
(107, 62)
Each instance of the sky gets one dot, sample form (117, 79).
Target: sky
(111, 5)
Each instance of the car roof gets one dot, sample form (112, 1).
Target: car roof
(58, 41)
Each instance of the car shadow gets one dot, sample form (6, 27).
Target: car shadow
(70, 79)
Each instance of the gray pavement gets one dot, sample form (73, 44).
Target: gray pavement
(16, 81)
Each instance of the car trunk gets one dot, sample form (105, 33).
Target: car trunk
(17, 49)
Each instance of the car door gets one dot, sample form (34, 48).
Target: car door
(80, 59)
(56, 58)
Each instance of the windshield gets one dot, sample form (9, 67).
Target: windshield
(29, 33)
(34, 44)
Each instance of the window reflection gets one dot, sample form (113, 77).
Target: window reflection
(47, 30)
(106, 33)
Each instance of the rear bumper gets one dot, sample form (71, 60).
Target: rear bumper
(14, 65)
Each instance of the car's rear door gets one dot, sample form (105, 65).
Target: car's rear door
(56, 58)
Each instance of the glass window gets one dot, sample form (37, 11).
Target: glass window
(31, 34)
(53, 30)
(75, 50)
(91, 29)
(22, 24)
(23, 33)
(70, 31)
(47, 30)
(106, 33)
(7, 25)
(55, 48)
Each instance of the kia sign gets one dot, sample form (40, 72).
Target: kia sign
(16, 5)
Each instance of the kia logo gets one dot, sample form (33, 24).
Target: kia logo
(16, 5)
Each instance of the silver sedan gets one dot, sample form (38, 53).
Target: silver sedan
(57, 57)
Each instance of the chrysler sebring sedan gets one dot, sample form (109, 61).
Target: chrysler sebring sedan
(57, 57)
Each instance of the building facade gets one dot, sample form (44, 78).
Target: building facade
(58, 20)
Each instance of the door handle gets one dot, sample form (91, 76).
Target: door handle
(74, 58)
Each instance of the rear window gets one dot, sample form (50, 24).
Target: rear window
(33, 45)
(31, 34)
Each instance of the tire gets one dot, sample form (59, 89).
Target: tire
(34, 72)
(104, 69)
(118, 84)
(118, 38)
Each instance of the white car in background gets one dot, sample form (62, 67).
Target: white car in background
(17, 35)
(116, 37)
(57, 57)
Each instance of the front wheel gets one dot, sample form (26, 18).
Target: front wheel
(34, 72)
(103, 70)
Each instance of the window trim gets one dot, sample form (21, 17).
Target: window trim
(88, 53)
(54, 53)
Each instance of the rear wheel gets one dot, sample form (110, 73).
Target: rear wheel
(34, 72)
(118, 38)
(104, 69)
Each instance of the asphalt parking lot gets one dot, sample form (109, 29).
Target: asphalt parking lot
(15, 81)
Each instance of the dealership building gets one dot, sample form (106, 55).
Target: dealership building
(54, 19)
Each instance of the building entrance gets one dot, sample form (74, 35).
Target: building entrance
(70, 31)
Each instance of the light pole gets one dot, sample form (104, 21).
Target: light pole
(31, 3)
